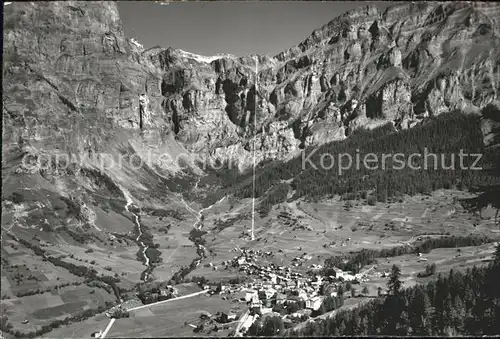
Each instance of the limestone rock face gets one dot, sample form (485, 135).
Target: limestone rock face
(72, 79)
(391, 102)
(71, 76)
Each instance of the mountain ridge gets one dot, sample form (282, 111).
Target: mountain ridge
(360, 70)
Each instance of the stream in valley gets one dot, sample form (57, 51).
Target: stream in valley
(137, 240)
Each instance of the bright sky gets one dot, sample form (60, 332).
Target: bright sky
(235, 27)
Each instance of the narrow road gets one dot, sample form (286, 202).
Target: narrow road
(112, 320)
(242, 320)
(168, 300)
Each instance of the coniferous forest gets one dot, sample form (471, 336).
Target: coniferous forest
(445, 135)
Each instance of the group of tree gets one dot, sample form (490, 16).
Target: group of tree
(201, 281)
(48, 289)
(143, 235)
(154, 291)
(276, 195)
(120, 313)
(460, 303)
(181, 275)
(81, 238)
(429, 270)
(166, 214)
(268, 326)
(330, 303)
(152, 253)
(196, 236)
(488, 195)
(291, 306)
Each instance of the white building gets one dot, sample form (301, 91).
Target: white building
(314, 303)
(265, 310)
(302, 294)
(251, 295)
(344, 275)
(95, 334)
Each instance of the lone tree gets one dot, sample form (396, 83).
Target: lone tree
(431, 269)
(365, 290)
(379, 291)
(395, 283)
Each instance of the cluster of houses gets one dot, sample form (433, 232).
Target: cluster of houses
(298, 261)
(274, 285)
(291, 221)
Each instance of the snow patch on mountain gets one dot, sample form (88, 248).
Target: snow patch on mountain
(202, 58)
(136, 43)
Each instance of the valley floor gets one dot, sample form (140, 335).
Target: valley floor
(289, 232)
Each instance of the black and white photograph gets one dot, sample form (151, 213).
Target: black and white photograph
(250, 169)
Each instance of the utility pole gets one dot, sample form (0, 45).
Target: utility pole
(254, 137)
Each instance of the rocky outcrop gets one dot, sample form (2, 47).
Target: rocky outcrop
(413, 59)
(490, 124)
(72, 79)
(69, 68)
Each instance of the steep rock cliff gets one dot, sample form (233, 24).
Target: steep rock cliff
(72, 79)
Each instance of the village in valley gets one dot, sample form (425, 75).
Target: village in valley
(297, 284)
(345, 184)
(263, 290)
(215, 279)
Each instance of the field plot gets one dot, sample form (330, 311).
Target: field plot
(26, 272)
(113, 222)
(42, 309)
(187, 288)
(393, 223)
(174, 244)
(174, 260)
(80, 330)
(215, 275)
(444, 258)
(336, 227)
(121, 261)
(168, 319)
